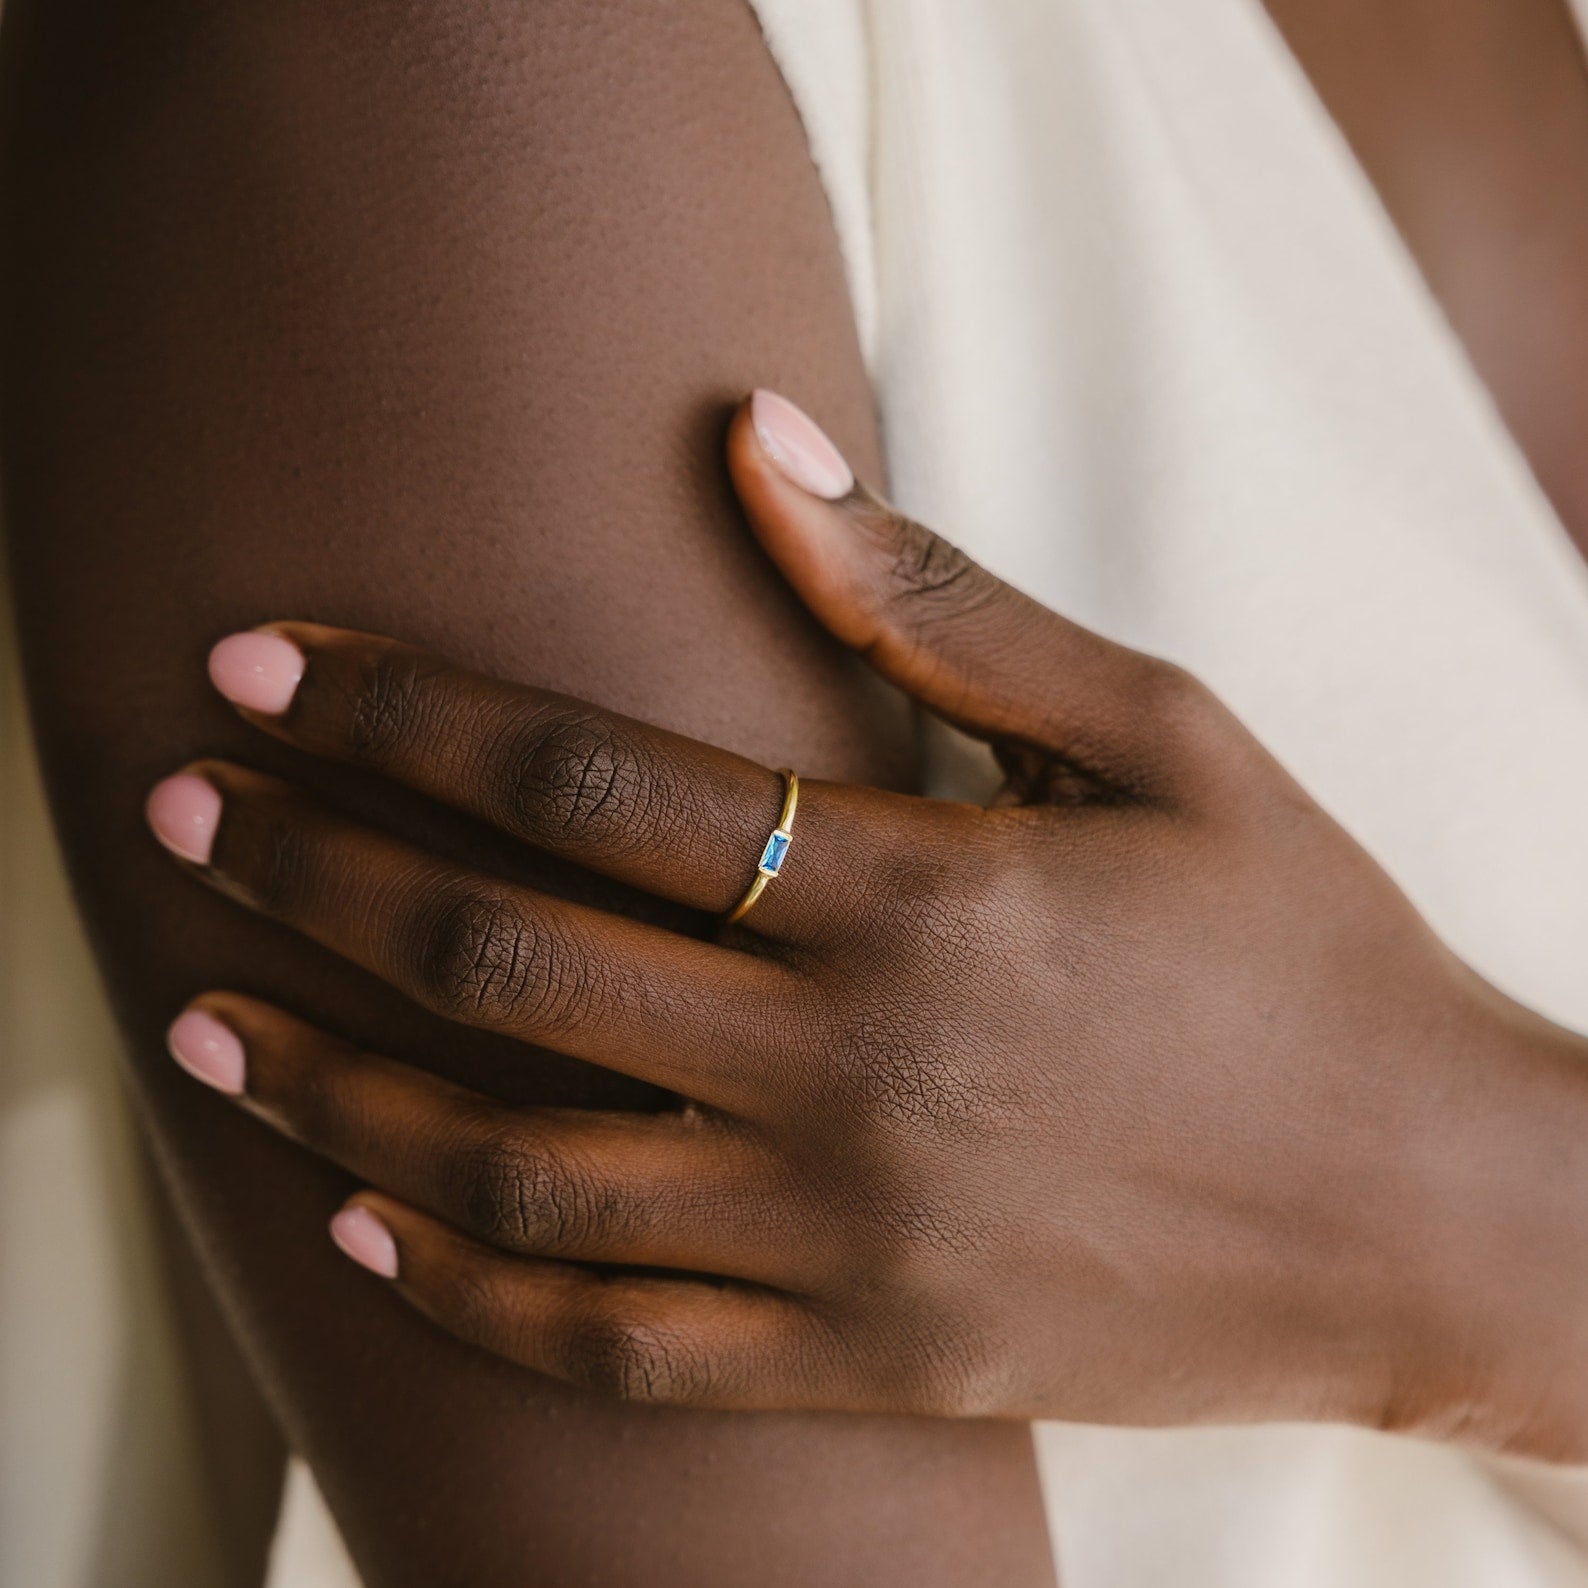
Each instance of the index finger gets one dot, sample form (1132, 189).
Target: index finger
(662, 812)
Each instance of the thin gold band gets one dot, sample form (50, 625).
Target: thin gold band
(775, 851)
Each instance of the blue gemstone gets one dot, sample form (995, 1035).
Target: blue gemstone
(772, 855)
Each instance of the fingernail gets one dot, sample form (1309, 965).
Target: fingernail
(208, 1050)
(257, 670)
(795, 443)
(184, 812)
(366, 1240)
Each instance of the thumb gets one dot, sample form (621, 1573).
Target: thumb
(937, 624)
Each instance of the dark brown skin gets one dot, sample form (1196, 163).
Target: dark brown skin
(986, 1112)
(147, 409)
(427, 319)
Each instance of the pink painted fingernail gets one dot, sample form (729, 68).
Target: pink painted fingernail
(366, 1240)
(794, 442)
(207, 1049)
(257, 670)
(184, 812)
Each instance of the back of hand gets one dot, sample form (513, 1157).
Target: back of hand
(1141, 1097)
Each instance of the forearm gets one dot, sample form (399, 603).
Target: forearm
(390, 318)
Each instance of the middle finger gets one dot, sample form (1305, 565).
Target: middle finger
(664, 1008)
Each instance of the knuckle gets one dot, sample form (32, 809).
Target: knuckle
(576, 777)
(917, 1234)
(925, 568)
(481, 957)
(948, 923)
(946, 916)
(1183, 710)
(519, 1195)
(923, 1356)
(636, 1360)
(503, 1190)
(947, 902)
(904, 1080)
(472, 946)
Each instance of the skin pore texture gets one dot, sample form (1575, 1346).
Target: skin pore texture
(425, 324)
(428, 320)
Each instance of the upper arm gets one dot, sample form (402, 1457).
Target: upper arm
(422, 318)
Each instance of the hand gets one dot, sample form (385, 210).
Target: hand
(1141, 1097)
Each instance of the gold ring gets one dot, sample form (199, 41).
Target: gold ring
(772, 857)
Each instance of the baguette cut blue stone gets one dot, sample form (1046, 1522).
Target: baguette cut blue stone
(772, 855)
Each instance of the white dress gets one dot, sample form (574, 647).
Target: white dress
(1144, 342)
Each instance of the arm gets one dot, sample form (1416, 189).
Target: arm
(419, 319)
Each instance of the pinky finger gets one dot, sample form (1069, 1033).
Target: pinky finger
(640, 1337)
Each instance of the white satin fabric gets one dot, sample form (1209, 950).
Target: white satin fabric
(1145, 343)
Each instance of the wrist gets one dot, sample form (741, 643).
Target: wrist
(1501, 1359)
